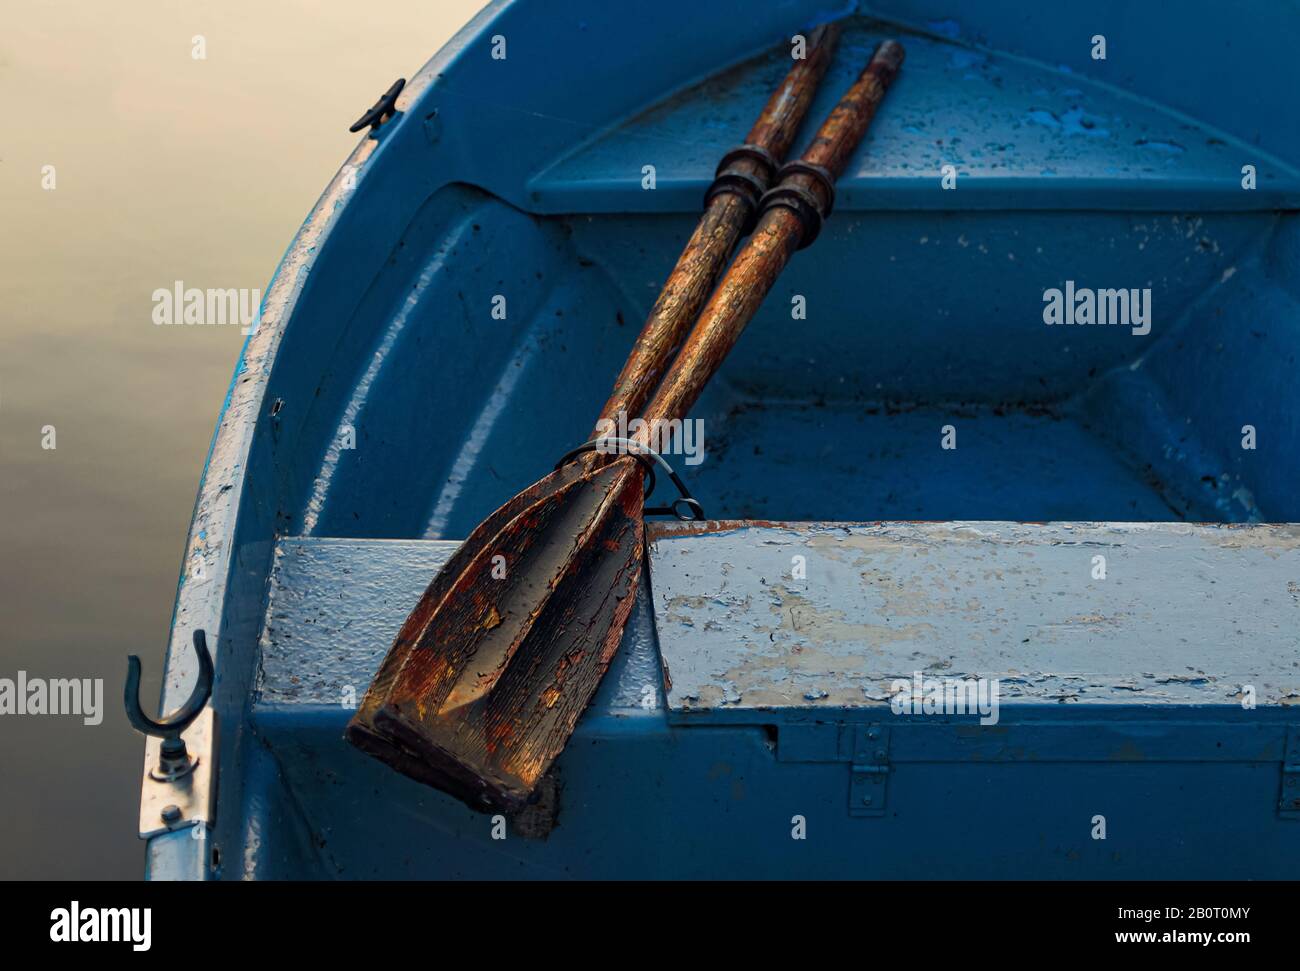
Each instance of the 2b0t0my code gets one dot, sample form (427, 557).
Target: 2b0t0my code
(1184, 913)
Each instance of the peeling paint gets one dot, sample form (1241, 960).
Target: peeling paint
(1188, 611)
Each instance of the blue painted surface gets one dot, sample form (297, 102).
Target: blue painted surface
(1019, 133)
(924, 309)
(656, 784)
(642, 799)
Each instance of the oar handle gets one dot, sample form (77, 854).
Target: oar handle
(720, 228)
(785, 109)
(847, 123)
(783, 227)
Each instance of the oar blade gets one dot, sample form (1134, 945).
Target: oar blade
(418, 619)
(514, 644)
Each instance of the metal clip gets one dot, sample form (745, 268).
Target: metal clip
(648, 458)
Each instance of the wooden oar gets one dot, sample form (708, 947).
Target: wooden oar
(499, 668)
(743, 175)
(730, 210)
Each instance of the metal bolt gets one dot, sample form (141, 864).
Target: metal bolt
(873, 733)
(171, 814)
(880, 755)
(866, 800)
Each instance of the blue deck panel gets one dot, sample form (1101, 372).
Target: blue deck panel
(826, 619)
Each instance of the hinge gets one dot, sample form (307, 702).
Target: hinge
(869, 771)
(1288, 805)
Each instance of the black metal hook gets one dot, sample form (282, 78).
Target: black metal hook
(382, 110)
(648, 458)
(185, 715)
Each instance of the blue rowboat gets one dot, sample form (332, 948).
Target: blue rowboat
(1002, 572)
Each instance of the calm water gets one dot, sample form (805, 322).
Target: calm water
(165, 168)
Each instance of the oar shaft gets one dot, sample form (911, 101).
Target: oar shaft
(779, 233)
(719, 229)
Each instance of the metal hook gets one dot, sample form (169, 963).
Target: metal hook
(173, 761)
(648, 457)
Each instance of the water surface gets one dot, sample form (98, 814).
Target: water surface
(166, 168)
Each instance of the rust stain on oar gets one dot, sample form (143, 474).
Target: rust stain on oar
(780, 232)
(419, 617)
(495, 682)
(724, 222)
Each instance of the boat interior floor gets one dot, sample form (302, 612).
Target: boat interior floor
(904, 371)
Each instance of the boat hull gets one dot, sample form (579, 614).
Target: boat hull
(454, 308)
